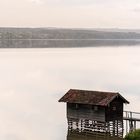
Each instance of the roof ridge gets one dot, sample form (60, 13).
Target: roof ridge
(96, 91)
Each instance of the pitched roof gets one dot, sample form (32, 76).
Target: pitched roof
(90, 97)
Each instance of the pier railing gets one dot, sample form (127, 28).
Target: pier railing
(131, 119)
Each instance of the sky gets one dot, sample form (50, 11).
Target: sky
(70, 13)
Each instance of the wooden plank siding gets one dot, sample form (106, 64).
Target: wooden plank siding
(84, 111)
(115, 110)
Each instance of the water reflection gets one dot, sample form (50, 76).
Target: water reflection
(60, 43)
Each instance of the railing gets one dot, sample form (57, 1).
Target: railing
(129, 115)
(131, 119)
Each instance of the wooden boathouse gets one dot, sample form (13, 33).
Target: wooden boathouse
(95, 111)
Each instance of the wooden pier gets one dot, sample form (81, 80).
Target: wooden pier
(131, 119)
(89, 135)
(112, 128)
(106, 129)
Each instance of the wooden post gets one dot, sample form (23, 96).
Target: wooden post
(134, 125)
(126, 122)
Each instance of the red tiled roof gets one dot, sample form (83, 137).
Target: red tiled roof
(90, 97)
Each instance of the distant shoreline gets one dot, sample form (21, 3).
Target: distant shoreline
(65, 38)
(66, 43)
(76, 39)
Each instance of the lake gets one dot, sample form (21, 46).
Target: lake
(33, 80)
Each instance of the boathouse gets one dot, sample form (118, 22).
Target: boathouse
(95, 108)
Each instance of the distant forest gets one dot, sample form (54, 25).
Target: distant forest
(55, 37)
(46, 33)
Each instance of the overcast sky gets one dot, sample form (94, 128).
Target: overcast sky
(70, 13)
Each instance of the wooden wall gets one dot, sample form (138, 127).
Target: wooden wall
(115, 110)
(82, 111)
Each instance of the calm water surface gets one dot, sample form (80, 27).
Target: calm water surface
(32, 81)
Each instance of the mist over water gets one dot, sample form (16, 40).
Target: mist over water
(33, 80)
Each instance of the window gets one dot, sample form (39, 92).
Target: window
(114, 108)
(77, 106)
(95, 108)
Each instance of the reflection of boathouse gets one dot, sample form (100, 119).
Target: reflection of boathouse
(95, 111)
